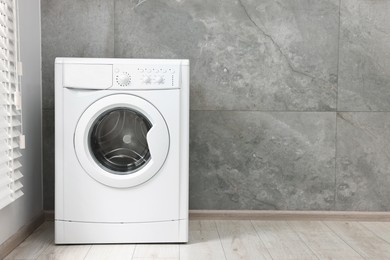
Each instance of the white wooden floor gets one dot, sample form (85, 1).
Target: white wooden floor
(225, 239)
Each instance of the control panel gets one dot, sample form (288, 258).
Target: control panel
(145, 77)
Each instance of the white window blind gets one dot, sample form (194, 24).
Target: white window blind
(10, 105)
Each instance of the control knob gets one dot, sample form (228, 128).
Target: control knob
(147, 79)
(123, 79)
(159, 80)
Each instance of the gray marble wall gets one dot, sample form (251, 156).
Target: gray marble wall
(290, 99)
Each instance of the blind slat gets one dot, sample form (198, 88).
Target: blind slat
(3, 29)
(3, 54)
(3, 77)
(15, 133)
(17, 175)
(4, 193)
(16, 122)
(17, 194)
(3, 148)
(4, 169)
(17, 165)
(15, 145)
(3, 43)
(5, 11)
(4, 66)
(7, 2)
(8, 24)
(15, 112)
(17, 186)
(4, 181)
(17, 154)
(4, 159)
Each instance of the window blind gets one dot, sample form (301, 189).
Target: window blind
(10, 105)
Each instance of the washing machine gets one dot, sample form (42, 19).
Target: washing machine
(121, 150)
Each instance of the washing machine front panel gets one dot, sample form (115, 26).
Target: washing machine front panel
(121, 140)
(87, 200)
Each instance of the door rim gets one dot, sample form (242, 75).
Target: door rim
(157, 137)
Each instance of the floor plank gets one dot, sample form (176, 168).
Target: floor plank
(110, 252)
(240, 240)
(323, 242)
(156, 251)
(281, 241)
(35, 244)
(381, 229)
(362, 240)
(155, 258)
(204, 242)
(62, 252)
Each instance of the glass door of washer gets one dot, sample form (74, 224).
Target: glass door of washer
(118, 140)
(121, 140)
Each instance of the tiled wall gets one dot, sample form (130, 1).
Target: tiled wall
(290, 99)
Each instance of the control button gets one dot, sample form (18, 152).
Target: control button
(159, 80)
(141, 70)
(123, 79)
(147, 80)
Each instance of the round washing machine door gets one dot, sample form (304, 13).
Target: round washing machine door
(121, 140)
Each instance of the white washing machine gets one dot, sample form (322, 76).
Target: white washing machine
(121, 150)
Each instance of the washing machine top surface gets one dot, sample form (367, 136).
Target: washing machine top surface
(184, 62)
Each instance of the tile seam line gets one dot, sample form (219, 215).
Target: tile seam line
(339, 236)
(86, 255)
(335, 163)
(220, 240)
(261, 240)
(132, 255)
(113, 26)
(372, 232)
(302, 240)
(338, 57)
(179, 251)
(45, 247)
